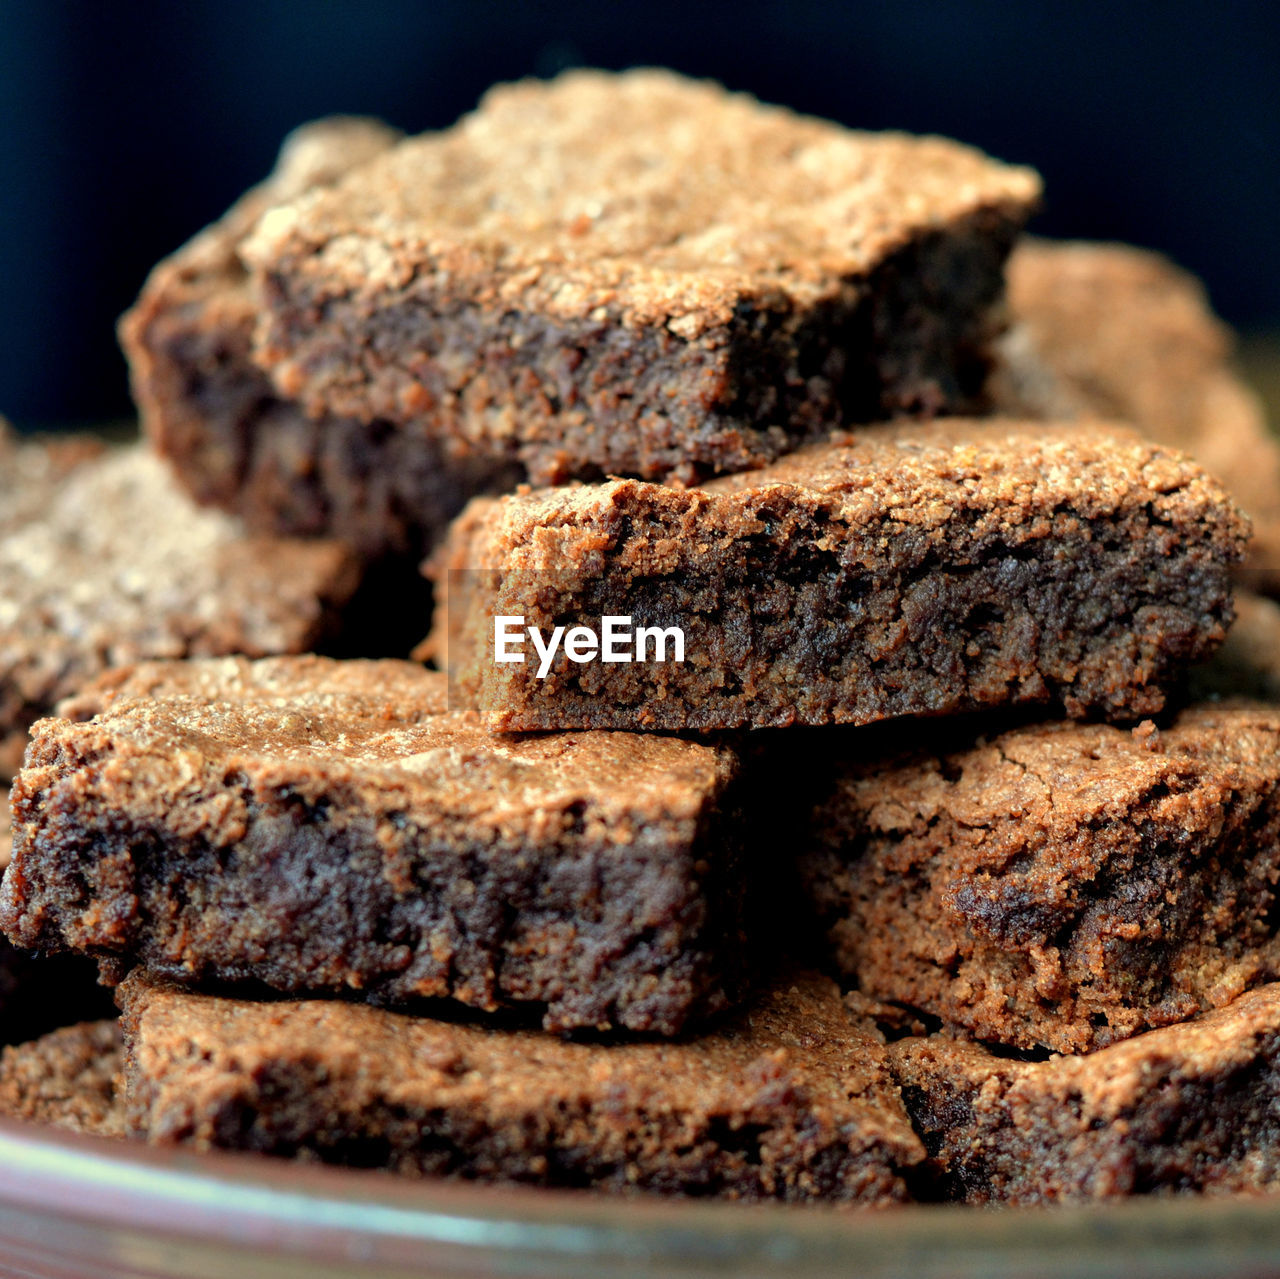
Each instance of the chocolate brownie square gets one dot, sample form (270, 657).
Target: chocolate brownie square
(638, 274)
(324, 826)
(1057, 885)
(234, 443)
(67, 1078)
(1193, 1107)
(103, 561)
(1111, 331)
(789, 1099)
(902, 570)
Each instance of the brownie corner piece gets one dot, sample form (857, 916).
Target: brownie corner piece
(1181, 1109)
(789, 1099)
(1058, 886)
(901, 570)
(639, 274)
(318, 825)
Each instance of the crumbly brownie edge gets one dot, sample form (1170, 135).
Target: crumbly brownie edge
(1165, 1113)
(1039, 925)
(600, 397)
(646, 935)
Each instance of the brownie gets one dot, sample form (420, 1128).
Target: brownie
(789, 1099)
(638, 274)
(233, 442)
(903, 570)
(1118, 332)
(1190, 1107)
(39, 993)
(67, 1078)
(326, 826)
(1058, 885)
(1248, 663)
(106, 562)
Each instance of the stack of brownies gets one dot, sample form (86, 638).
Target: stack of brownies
(798, 794)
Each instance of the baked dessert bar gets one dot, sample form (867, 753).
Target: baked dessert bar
(315, 825)
(67, 1078)
(903, 570)
(233, 442)
(1058, 885)
(106, 562)
(1118, 332)
(789, 1099)
(1191, 1107)
(638, 274)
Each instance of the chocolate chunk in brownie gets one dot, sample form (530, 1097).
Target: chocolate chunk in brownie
(1118, 332)
(790, 1099)
(1059, 885)
(1191, 1107)
(903, 570)
(107, 562)
(1248, 663)
(331, 826)
(232, 440)
(638, 274)
(67, 1078)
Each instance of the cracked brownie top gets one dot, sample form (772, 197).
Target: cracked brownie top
(659, 197)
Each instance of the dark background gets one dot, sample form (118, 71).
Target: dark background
(126, 126)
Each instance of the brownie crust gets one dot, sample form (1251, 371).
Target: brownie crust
(147, 576)
(789, 1100)
(1188, 1108)
(903, 570)
(233, 442)
(1110, 331)
(639, 275)
(323, 826)
(67, 1078)
(1058, 886)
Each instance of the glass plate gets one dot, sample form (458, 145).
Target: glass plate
(74, 1206)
